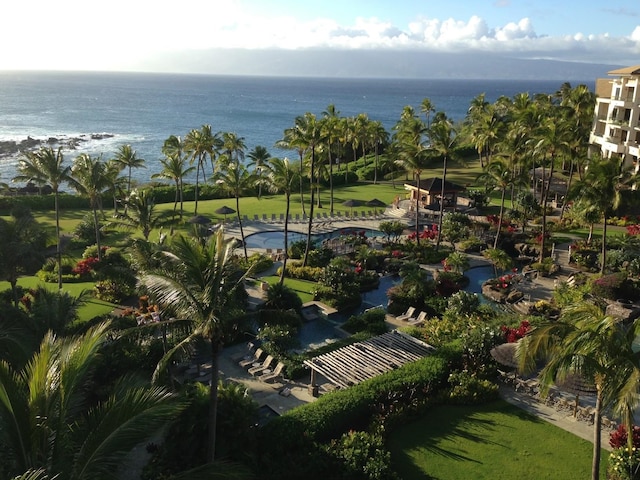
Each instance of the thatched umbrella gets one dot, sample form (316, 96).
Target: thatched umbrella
(578, 385)
(505, 354)
(224, 210)
(351, 203)
(200, 220)
(375, 203)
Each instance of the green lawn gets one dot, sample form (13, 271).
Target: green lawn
(93, 307)
(302, 287)
(493, 441)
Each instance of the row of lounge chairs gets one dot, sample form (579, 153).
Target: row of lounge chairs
(412, 317)
(262, 369)
(321, 216)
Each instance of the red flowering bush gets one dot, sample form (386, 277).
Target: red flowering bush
(512, 335)
(633, 229)
(618, 438)
(85, 266)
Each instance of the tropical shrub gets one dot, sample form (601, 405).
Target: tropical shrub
(372, 321)
(467, 389)
(362, 455)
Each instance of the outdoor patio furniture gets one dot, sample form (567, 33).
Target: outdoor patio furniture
(261, 367)
(273, 218)
(251, 359)
(264, 217)
(418, 320)
(272, 376)
(406, 315)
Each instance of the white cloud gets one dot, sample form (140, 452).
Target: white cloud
(69, 34)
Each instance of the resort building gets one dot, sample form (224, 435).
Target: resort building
(616, 123)
(431, 191)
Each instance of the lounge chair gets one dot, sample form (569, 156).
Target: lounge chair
(260, 368)
(407, 315)
(282, 218)
(264, 218)
(273, 218)
(419, 319)
(272, 376)
(248, 360)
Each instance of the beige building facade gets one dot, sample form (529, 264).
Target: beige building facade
(616, 125)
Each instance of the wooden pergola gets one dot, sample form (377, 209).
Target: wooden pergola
(355, 363)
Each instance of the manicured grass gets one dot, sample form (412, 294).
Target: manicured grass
(91, 309)
(302, 287)
(493, 441)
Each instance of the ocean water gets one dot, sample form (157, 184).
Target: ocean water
(144, 109)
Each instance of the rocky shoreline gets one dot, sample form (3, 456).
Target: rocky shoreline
(14, 147)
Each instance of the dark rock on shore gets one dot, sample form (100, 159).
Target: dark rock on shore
(13, 147)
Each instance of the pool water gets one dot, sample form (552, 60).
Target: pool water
(477, 276)
(275, 239)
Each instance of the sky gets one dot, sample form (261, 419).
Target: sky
(157, 35)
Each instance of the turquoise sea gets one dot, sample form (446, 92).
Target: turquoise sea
(144, 109)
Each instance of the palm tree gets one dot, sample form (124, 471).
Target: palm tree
(114, 183)
(23, 243)
(42, 167)
(377, 136)
(55, 310)
(141, 213)
(331, 124)
(88, 177)
(554, 137)
(281, 177)
(310, 137)
(49, 424)
(233, 147)
(292, 141)
(236, 180)
(601, 190)
(427, 107)
(127, 158)
(443, 140)
(174, 168)
(197, 283)
(198, 144)
(597, 347)
(259, 157)
(409, 142)
(499, 258)
(499, 176)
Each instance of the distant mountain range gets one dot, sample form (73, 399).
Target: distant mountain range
(370, 63)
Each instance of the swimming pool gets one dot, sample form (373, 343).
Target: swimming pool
(274, 239)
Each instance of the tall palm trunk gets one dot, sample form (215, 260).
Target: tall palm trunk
(604, 244)
(597, 428)
(196, 189)
(96, 226)
(244, 244)
(213, 400)
(175, 199)
(495, 242)
(58, 250)
(310, 225)
(545, 195)
(330, 183)
(286, 240)
(418, 209)
(444, 179)
(304, 208)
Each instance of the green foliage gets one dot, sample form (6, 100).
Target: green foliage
(258, 262)
(624, 465)
(293, 437)
(281, 297)
(312, 274)
(462, 304)
(371, 321)
(85, 231)
(319, 257)
(279, 338)
(296, 249)
(472, 244)
(392, 230)
(467, 389)
(455, 227)
(362, 455)
(608, 286)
